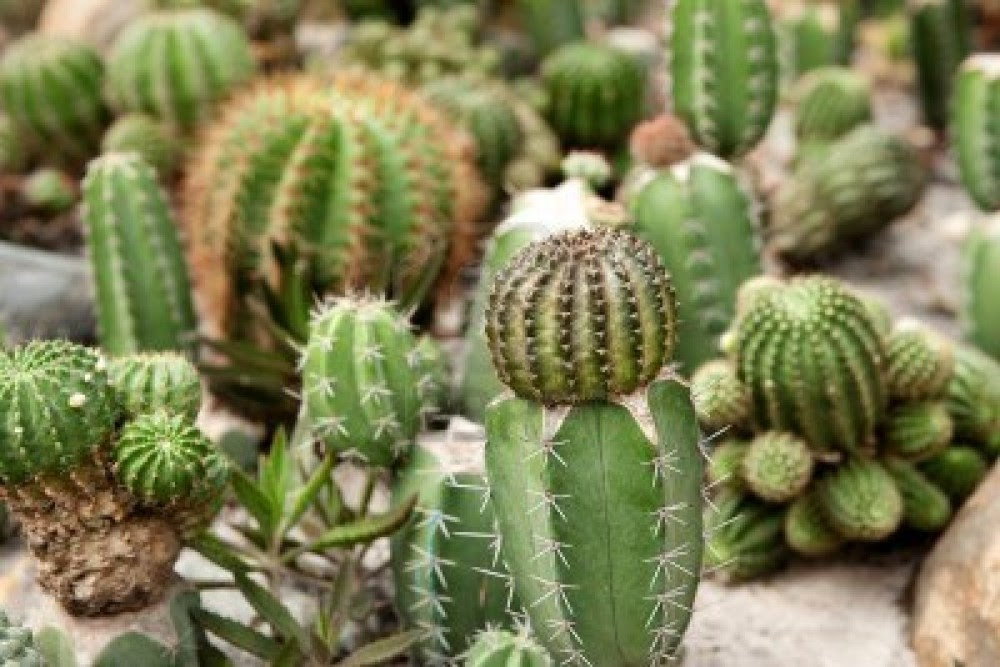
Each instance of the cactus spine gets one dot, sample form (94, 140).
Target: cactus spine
(860, 500)
(919, 362)
(17, 646)
(976, 139)
(501, 648)
(831, 102)
(776, 466)
(142, 134)
(140, 276)
(151, 382)
(602, 538)
(724, 71)
(980, 275)
(940, 35)
(720, 399)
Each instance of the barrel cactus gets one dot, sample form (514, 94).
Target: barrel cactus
(830, 103)
(776, 467)
(17, 645)
(720, 399)
(724, 72)
(502, 648)
(860, 500)
(980, 275)
(155, 381)
(940, 38)
(957, 471)
(143, 134)
(744, 536)
(976, 139)
(919, 362)
(807, 531)
(594, 463)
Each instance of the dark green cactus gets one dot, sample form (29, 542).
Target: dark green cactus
(980, 275)
(813, 35)
(973, 398)
(919, 362)
(596, 94)
(807, 531)
(830, 103)
(720, 399)
(917, 431)
(957, 471)
(744, 536)
(724, 72)
(17, 646)
(49, 190)
(501, 648)
(776, 466)
(925, 506)
(159, 381)
(860, 500)
(940, 37)
(141, 280)
(724, 463)
(143, 134)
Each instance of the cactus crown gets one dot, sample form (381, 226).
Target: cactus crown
(581, 316)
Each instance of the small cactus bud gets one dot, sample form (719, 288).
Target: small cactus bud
(807, 531)
(158, 381)
(860, 500)
(720, 399)
(957, 471)
(917, 431)
(777, 466)
(919, 362)
(591, 168)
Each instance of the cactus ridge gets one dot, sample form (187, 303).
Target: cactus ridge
(17, 645)
(957, 471)
(502, 648)
(980, 274)
(156, 381)
(919, 363)
(720, 399)
(776, 466)
(807, 531)
(831, 102)
(917, 431)
(976, 136)
(860, 500)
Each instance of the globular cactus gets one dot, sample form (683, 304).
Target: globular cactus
(973, 398)
(450, 579)
(720, 399)
(940, 38)
(48, 190)
(177, 64)
(17, 645)
(919, 362)
(601, 535)
(661, 142)
(813, 35)
(724, 463)
(976, 140)
(830, 103)
(151, 382)
(704, 227)
(143, 292)
(866, 180)
(724, 71)
(807, 531)
(917, 431)
(925, 506)
(980, 275)
(361, 380)
(776, 467)
(143, 134)
(744, 537)
(51, 89)
(811, 357)
(596, 93)
(502, 648)
(13, 152)
(552, 23)
(957, 471)
(860, 500)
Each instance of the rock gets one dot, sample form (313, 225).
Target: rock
(956, 618)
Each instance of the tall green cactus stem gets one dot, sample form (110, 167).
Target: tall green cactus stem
(744, 537)
(141, 280)
(177, 64)
(941, 38)
(17, 645)
(813, 35)
(704, 227)
(552, 23)
(143, 134)
(957, 471)
(807, 531)
(49, 190)
(830, 103)
(777, 466)
(811, 357)
(975, 136)
(361, 380)
(51, 89)
(155, 381)
(866, 180)
(596, 94)
(724, 70)
(720, 399)
(450, 578)
(919, 362)
(973, 397)
(980, 276)
(860, 500)
(502, 648)
(917, 431)
(724, 463)
(601, 535)
(925, 506)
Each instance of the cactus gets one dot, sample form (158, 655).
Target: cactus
(917, 431)
(919, 362)
(813, 35)
(597, 94)
(831, 102)
(973, 397)
(17, 646)
(601, 536)
(811, 357)
(435, 375)
(703, 226)
(501, 648)
(925, 506)
(744, 537)
(724, 71)
(720, 399)
(13, 152)
(141, 280)
(957, 471)
(48, 190)
(143, 134)
(177, 64)
(552, 23)
(51, 90)
(867, 179)
(589, 167)
(661, 142)
(974, 134)
(776, 467)
(159, 381)
(449, 578)
(724, 463)
(807, 531)
(860, 500)
(980, 275)
(940, 37)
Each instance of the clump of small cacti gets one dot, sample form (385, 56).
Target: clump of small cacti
(503, 648)
(940, 39)
(155, 381)
(720, 399)
(980, 273)
(580, 325)
(51, 89)
(975, 137)
(48, 190)
(177, 64)
(141, 282)
(17, 645)
(776, 466)
(813, 35)
(830, 103)
(143, 134)
(724, 71)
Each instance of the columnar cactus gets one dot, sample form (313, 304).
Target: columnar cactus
(776, 466)
(917, 431)
(919, 362)
(141, 280)
(151, 382)
(720, 399)
(980, 275)
(601, 535)
(957, 471)
(975, 137)
(866, 180)
(177, 64)
(17, 645)
(925, 506)
(596, 93)
(940, 37)
(143, 134)
(502, 648)
(51, 89)
(724, 70)
(807, 531)
(744, 536)
(830, 103)
(860, 500)
(813, 35)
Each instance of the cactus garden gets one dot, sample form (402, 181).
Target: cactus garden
(597, 333)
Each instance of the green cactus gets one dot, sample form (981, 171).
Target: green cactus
(552, 23)
(724, 72)
(940, 38)
(777, 466)
(957, 471)
(17, 645)
(141, 281)
(502, 648)
(51, 90)
(177, 64)
(980, 275)
(925, 506)
(601, 535)
(868, 178)
(703, 225)
(974, 134)
(724, 463)
(919, 362)
(450, 580)
(155, 381)
(830, 103)
(973, 398)
(813, 35)
(811, 357)
(720, 399)
(807, 531)
(435, 375)
(143, 134)
(13, 152)
(917, 431)
(49, 190)
(860, 500)
(744, 537)
(596, 93)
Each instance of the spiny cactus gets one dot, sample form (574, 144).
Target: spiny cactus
(744, 536)
(596, 92)
(13, 152)
(925, 506)
(143, 134)
(807, 531)
(601, 535)
(48, 190)
(177, 64)
(957, 471)
(980, 275)
(724, 71)
(813, 35)
(552, 23)
(51, 90)
(811, 357)
(919, 362)
(917, 431)
(156, 381)
(720, 399)
(973, 397)
(661, 142)
(860, 500)
(777, 466)
(866, 180)
(830, 103)
(502, 648)
(940, 37)
(703, 225)
(724, 463)
(141, 280)
(17, 645)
